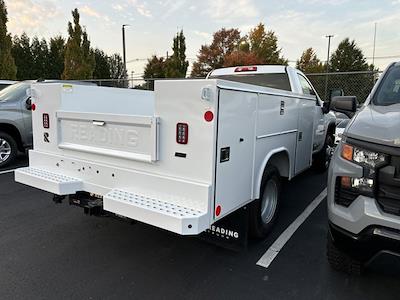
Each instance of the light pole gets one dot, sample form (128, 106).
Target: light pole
(329, 37)
(123, 46)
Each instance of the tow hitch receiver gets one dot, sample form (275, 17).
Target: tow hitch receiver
(92, 204)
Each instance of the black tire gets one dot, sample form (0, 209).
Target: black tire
(340, 261)
(322, 159)
(259, 228)
(6, 141)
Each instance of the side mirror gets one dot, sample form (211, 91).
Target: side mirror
(28, 104)
(344, 104)
(335, 93)
(313, 93)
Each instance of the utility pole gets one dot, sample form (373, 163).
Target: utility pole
(329, 37)
(373, 55)
(124, 47)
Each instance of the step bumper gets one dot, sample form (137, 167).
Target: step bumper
(156, 212)
(55, 183)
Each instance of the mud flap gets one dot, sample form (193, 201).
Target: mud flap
(231, 232)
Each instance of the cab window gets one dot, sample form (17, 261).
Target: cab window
(306, 87)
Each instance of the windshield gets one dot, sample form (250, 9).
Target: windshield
(273, 80)
(388, 92)
(14, 92)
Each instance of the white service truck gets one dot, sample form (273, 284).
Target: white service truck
(182, 157)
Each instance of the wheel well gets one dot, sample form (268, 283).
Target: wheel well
(13, 132)
(280, 161)
(331, 129)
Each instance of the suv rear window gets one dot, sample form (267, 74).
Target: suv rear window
(278, 81)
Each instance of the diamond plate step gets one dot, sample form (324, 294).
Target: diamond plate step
(157, 212)
(56, 183)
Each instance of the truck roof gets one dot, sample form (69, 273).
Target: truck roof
(7, 81)
(257, 69)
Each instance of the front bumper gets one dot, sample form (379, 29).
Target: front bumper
(369, 243)
(364, 211)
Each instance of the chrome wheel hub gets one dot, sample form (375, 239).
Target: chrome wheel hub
(5, 150)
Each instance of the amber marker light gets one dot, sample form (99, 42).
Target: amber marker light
(347, 152)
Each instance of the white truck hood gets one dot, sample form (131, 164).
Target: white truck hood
(377, 124)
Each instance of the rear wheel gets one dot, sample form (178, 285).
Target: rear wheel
(8, 149)
(340, 261)
(263, 211)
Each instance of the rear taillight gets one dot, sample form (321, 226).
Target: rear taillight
(46, 121)
(246, 69)
(182, 133)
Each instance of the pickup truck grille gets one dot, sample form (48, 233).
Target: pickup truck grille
(388, 187)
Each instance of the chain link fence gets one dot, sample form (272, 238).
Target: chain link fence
(357, 84)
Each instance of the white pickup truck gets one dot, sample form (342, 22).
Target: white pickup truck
(182, 157)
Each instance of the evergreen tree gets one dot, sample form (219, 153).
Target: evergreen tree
(348, 57)
(155, 68)
(79, 59)
(40, 55)
(117, 70)
(56, 57)
(22, 54)
(103, 68)
(264, 44)
(309, 62)
(177, 64)
(8, 69)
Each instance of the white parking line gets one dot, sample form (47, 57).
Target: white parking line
(6, 172)
(269, 256)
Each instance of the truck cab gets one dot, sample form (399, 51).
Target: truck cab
(364, 178)
(289, 79)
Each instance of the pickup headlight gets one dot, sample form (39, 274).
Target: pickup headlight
(348, 188)
(362, 157)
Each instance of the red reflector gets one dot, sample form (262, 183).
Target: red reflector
(46, 121)
(218, 210)
(246, 69)
(209, 116)
(33, 106)
(182, 133)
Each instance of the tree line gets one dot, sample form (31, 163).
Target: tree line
(73, 58)
(22, 57)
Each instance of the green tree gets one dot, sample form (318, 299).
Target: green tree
(264, 44)
(8, 69)
(348, 57)
(57, 57)
(211, 57)
(117, 70)
(40, 55)
(155, 68)
(79, 58)
(21, 51)
(102, 69)
(177, 64)
(309, 62)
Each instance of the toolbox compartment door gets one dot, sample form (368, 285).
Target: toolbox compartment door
(120, 136)
(235, 149)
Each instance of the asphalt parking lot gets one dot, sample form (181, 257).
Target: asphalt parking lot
(50, 251)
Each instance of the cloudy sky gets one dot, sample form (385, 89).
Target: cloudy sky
(298, 23)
